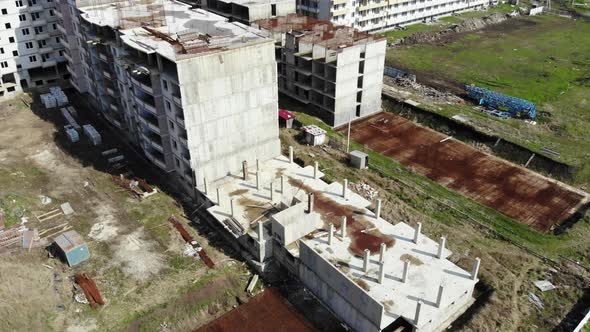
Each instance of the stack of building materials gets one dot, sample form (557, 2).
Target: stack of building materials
(68, 116)
(90, 290)
(314, 135)
(92, 134)
(72, 134)
(60, 97)
(48, 100)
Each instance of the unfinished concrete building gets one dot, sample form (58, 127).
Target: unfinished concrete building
(31, 53)
(381, 15)
(198, 94)
(374, 275)
(336, 70)
(248, 11)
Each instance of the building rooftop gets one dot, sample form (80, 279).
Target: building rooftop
(364, 231)
(315, 31)
(171, 28)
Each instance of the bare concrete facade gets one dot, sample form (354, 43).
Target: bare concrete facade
(190, 89)
(248, 11)
(336, 70)
(31, 52)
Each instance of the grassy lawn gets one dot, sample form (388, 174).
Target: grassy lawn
(543, 59)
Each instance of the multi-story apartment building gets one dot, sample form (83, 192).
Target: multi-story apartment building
(188, 87)
(248, 11)
(336, 70)
(31, 53)
(381, 15)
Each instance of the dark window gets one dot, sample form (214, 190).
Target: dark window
(7, 25)
(32, 58)
(10, 89)
(4, 11)
(3, 64)
(22, 17)
(1, 50)
(15, 53)
(273, 9)
(18, 3)
(25, 31)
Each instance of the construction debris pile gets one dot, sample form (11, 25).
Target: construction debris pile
(190, 241)
(90, 290)
(470, 24)
(138, 188)
(365, 190)
(423, 90)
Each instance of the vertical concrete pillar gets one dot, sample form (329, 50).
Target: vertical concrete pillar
(245, 170)
(282, 184)
(315, 169)
(231, 205)
(291, 154)
(439, 295)
(218, 197)
(475, 268)
(272, 192)
(344, 188)
(343, 227)
(309, 202)
(417, 230)
(366, 261)
(417, 315)
(257, 165)
(441, 247)
(331, 235)
(382, 252)
(378, 209)
(406, 271)
(257, 180)
(260, 231)
(205, 185)
(381, 272)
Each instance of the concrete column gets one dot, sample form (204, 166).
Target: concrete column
(257, 165)
(291, 154)
(475, 268)
(205, 185)
(260, 231)
(381, 272)
(257, 181)
(315, 169)
(418, 308)
(344, 188)
(441, 247)
(343, 228)
(378, 209)
(417, 230)
(231, 205)
(218, 197)
(282, 184)
(406, 271)
(331, 235)
(441, 288)
(272, 192)
(366, 261)
(245, 170)
(382, 252)
(310, 202)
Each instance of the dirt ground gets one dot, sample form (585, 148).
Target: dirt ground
(136, 255)
(508, 271)
(512, 190)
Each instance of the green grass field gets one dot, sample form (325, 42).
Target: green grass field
(544, 59)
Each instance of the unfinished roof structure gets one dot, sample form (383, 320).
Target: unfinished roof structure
(170, 28)
(373, 274)
(315, 31)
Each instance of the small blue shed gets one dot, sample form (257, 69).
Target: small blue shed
(72, 247)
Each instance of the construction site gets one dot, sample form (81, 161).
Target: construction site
(202, 174)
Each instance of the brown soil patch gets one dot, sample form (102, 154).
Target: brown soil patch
(512, 190)
(238, 192)
(362, 284)
(268, 311)
(413, 260)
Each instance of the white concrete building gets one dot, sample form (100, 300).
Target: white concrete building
(198, 94)
(374, 275)
(381, 15)
(335, 70)
(248, 11)
(31, 54)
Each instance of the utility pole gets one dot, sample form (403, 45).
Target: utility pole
(348, 136)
